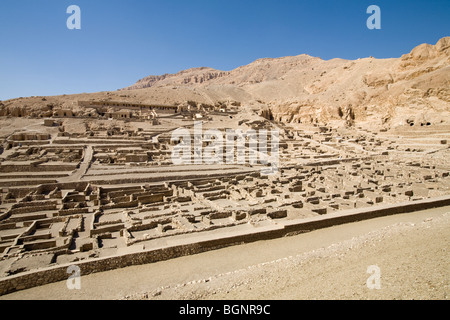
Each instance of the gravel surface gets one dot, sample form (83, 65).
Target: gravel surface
(413, 260)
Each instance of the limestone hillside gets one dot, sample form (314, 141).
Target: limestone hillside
(387, 92)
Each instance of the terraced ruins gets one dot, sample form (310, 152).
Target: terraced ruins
(95, 179)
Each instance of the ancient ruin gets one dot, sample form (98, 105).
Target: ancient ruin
(92, 177)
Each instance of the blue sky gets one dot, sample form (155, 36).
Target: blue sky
(121, 41)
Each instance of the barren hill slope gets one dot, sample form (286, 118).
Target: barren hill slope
(412, 88)
(304, 88)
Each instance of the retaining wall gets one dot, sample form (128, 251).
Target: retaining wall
(38, 168)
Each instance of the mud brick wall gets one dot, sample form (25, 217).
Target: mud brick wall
(35, 208)
(69, 212)
(151, 198)
(38, 168)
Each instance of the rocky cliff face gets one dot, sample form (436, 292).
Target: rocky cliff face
(309, 89)
(417, 85)
(185, 77)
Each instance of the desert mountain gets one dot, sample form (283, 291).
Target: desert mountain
(413, 88)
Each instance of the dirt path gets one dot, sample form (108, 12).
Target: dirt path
(84, 166)
(412, 259)
(411, 251)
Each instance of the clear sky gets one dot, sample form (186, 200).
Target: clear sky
(122, 41)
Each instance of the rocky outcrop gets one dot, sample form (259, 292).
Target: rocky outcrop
(425, 52)
(185, 77)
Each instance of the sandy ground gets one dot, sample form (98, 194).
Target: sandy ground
(411, 251)
(412, 258)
